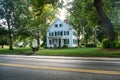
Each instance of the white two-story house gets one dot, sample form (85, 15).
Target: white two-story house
(60, 33)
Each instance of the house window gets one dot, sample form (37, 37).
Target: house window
(56, 25)
(74, 33)
(55, 33)
(74, 41)
(50, 42)
(60, 25)
(64, 32)
(52, 34)
(66, 41)
(58, 32)
(49, 34)
(61, 33)
(67, 32)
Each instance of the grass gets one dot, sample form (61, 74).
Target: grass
(77, 52)
(81, 52)
(15, 51)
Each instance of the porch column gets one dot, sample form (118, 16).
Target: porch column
(57, 42)
(61, 42)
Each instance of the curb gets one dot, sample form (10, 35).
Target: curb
(65, 58)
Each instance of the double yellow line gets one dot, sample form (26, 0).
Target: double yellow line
(63, 69)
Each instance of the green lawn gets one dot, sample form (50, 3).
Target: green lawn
(78, 52)
(15, 51)
(84, 52)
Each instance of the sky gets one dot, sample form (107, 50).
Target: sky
(3, 21)
(63, 12)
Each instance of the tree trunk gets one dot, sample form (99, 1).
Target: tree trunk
(10, 37)
(11, 42)
(38, 39)
(86, 41)
(2, 44)
(95, 41)
(78, 42)
(108, 27)
(79, 37)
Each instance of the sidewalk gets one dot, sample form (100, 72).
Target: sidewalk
(63, 57)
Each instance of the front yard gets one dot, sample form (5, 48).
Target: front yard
(83, 52)
(77, 52)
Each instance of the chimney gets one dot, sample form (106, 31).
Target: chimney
(66, 21)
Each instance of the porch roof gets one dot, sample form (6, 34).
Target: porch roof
(57, 37)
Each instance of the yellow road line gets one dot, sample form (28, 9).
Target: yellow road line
(63, 69)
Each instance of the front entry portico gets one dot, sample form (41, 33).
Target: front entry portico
(56, 42)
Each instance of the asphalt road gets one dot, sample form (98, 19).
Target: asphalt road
(45, 68)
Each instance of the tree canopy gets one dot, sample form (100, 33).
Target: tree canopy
(87, 12)
(28, 18)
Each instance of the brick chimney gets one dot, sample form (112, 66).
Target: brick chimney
(66, 21)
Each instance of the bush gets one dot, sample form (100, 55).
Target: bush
(44, 45)
(35, 49)
(110, 44)
(29, 53)
(26, 53)
(65, 46)
(90, 45)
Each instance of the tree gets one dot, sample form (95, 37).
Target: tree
(82, 14)
(83, 11)
(101, 35)
(23, 16)
(107, 25)
(7, 13)
(16, 13)
(3, 39)
(44, 13)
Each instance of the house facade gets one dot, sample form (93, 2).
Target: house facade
(60, 33)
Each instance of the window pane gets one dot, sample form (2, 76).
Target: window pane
(50, 42)
(60, 25)
(61, 33)
(67, 32)
(64, 32)
(56, 25)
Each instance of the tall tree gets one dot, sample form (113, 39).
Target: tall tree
(83, 14)
(15, 12)
(44, 13)
(107, 25)
(83, 11)
(3, 39)
(7, 9)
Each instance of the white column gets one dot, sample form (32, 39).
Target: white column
(61, 42)
(47, 40)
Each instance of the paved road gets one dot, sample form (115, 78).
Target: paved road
(57, 68)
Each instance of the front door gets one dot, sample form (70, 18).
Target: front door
(59, 42)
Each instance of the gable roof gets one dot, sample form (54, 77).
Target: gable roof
(62, 22)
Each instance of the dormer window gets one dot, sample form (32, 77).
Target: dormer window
(60, 25)
(56, 25)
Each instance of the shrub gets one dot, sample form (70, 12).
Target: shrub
(29, 53)
(35, 49)
(115, 44)
(90, 45)
(110, 44)
(44, 45)
(65, 46)
(26, 53)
